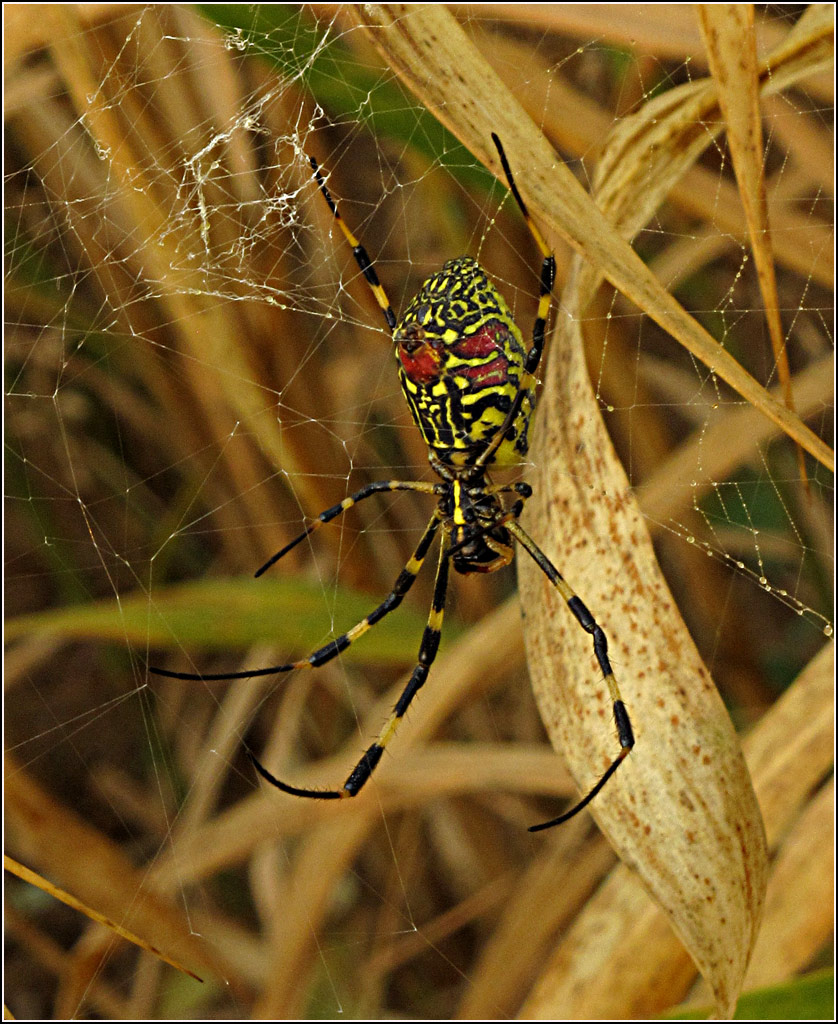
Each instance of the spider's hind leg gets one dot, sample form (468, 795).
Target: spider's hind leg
(427, 653)
(589, 624)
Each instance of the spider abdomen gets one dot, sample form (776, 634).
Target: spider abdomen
(461, 362)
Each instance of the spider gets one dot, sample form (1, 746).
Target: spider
(470, 385)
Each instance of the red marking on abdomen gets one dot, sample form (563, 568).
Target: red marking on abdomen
(495, 372)
(420, 366)
(483, 343)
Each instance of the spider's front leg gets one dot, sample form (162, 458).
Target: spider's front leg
(527, 382)
(380, 486)
(332, 649)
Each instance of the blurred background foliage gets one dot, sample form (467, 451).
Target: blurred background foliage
(193, 366)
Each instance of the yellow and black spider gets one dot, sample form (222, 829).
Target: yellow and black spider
(470, 385)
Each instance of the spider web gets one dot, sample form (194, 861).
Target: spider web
(194, 365)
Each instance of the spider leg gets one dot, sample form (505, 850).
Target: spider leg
(548, 278)
(358, 251)
(330, 650)
(589, 624)
(372, 755)
(548, 267)
(343, 506)
(521, 489)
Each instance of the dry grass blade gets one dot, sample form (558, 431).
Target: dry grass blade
(675, 35)
(533, 917)
(791, 749)
(728, 31)
(656, 139)
(789, 753)
(654, 150)
(35, 879)
(619, 921)
(50, 835)
(604, 941)
(682, 811)
(800, 905)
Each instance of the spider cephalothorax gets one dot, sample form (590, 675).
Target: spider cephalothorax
(474, 516)
(470, 385)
